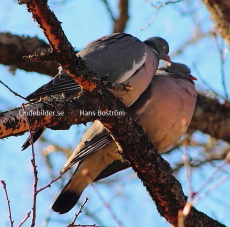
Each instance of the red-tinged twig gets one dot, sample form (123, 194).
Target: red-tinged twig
(8, 203)
(212, 176)
(197, 197)
(80, 211)
(33, 161)
(216, 185)
(49, 185)
(24, 220)
(189, 204)
(15, 93)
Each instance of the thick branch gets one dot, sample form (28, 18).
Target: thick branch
(60, 45)
(49, 113)
(14, 47)
(212, 118)
(40, 114)
(220, 11)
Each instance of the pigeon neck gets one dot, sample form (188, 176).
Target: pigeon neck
(152, 46)
(155, 52)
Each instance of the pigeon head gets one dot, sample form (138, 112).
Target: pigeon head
(178, 68)
(160, 46)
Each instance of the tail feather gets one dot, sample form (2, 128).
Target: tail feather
(35, 136)
(66, 201)
(85, 174)
(70, 193)
(114, 167)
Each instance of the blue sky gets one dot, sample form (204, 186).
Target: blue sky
(84, 21)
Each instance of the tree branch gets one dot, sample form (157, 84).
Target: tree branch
(211, 117)
(14, 47)
(120, 23)
(219, 10)
(48, 113)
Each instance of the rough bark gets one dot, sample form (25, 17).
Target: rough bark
(220, 11)
(14, 47)
(211, 117)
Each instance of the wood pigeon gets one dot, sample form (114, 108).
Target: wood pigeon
(119, 57)
(164, 111)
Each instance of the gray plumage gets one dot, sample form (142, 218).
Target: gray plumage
(119, 57)
(164, 111)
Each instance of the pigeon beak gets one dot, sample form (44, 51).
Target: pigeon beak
(168, 59)
(192, 77)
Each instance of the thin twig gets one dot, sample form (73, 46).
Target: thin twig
(212, 176)
(158, 6)
(85, 225)
(8, 203)
(197, 197)
(24, 220)
(204, 82)
(188, 170)
(150, 21)
(80, 211)
(16, 94)
(49, 185)
(33, 161)
(198, 36)
(109, 9)
(222, 61)
(221, 181)
(161, 4)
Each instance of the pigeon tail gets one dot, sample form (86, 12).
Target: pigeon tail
(36, 134)
(66, 201)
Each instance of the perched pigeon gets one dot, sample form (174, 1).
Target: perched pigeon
(121, 58)
(164, 110)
